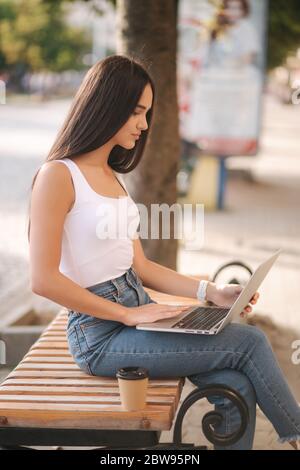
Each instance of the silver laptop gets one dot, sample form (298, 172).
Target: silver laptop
(211, 320)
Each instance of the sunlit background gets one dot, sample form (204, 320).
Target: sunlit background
(252, 200)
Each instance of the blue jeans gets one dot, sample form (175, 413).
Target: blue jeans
(240, 356)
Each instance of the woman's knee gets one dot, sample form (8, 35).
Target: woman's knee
(258, 336)
(250, 335)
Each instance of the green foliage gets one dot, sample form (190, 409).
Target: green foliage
(34, 36)
(284, 30)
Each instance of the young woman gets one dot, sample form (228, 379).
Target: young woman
(101, 280)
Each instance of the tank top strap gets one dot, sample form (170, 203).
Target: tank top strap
(120, 178)
(82, 192)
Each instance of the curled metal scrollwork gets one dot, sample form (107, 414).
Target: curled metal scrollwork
(213, 419)
(223, 267)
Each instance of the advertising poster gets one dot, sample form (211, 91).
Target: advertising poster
(221, 73)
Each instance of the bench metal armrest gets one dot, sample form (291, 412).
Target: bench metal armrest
(213, 418)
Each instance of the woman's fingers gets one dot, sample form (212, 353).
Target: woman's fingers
(166, 307)
(173, 311)
(254, 298)
(172, 307)
(246, 311)
(175, 308)
(248, 308)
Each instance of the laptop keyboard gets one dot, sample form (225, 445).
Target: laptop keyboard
(202, 318)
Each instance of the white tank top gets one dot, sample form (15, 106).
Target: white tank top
(98, 233)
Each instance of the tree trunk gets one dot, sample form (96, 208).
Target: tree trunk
(147, 30)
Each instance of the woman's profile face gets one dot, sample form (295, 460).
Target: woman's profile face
(234, 11)
(129, 134)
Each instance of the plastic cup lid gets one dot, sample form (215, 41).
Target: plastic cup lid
(132, 373)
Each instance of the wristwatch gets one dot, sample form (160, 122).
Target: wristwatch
(201, 292)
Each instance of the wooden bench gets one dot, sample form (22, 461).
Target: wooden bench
(48, 401)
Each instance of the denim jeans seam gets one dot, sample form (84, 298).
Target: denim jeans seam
(80, 349)
(90, 324)
(227, 421)
(108, 292)
(123, 285)
(118, 287)
(174, 352)
(133, 284)
(68, 334)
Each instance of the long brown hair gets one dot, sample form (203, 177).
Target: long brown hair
(103, 103)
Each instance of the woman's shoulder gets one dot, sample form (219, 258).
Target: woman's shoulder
(59, 167)
(53, 174)
(55, 171)
(54, 166)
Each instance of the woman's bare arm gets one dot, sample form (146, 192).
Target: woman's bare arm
(163, 279)
(52, 197)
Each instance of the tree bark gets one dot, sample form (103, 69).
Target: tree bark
(147, 30)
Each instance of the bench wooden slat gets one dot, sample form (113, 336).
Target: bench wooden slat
(48, 352)
(58, 333)
(48, 373)
(51, 345)
(55, 338)
(70, 406)
(53, 374)
(44, 366)
(50, 359)
(77, 400)
(59, 330)
(90, 380)
(62, 325)
(54, 332)
(59, 327)
(153, 417)
(55, 390)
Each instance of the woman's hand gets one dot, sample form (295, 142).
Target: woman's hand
(150, 313)
(224, 295)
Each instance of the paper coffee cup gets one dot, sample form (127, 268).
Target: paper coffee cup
(133, 382)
